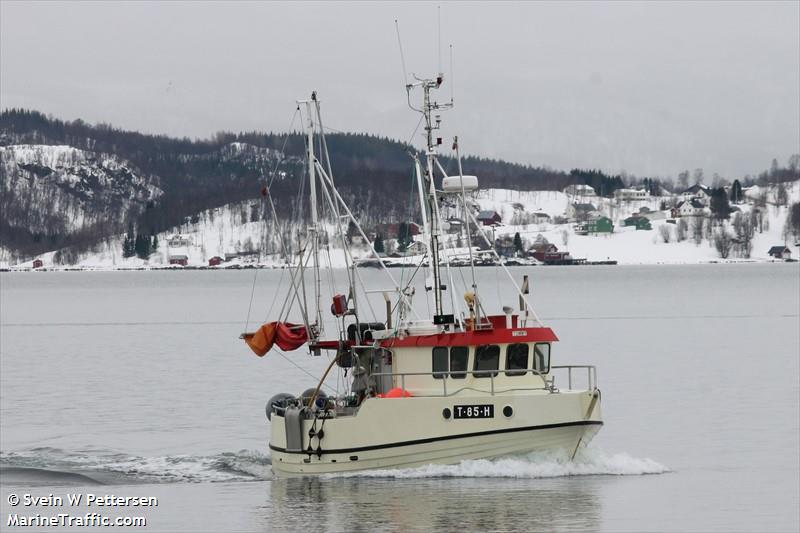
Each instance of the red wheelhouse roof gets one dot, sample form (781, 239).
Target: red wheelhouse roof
(474, 338)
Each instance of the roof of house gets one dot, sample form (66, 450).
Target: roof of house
(579, 187)
(778, 250)
(697, 204)
(697, 187)
(178, 257)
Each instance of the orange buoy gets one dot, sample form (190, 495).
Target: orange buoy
(397, 393)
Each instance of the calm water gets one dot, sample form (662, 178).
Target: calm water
(134, 383)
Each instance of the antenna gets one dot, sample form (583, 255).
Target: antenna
(402, 57)
(439, 27)
(452, 75)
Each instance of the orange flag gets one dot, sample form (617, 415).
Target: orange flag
(262, 340)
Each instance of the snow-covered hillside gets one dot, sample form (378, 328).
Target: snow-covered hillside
(626, 244)
(225, 232)
(60, 190)
(238, 235)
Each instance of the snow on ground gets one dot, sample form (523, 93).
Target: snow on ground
(626, 245)
(227, 229)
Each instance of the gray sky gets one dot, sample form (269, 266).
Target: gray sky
(650, 88)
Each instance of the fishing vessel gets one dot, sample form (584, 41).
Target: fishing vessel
(414, 388)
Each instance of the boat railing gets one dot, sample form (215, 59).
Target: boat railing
(492, 375)
(548, 380)
(591, 374)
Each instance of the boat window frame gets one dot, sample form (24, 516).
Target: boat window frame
(535, 359)
(459, 374)
(518, 371)
(486, 372)
(440, 374)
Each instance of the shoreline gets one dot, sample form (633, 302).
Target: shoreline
(6, 270)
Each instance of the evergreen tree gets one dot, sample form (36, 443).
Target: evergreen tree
(720, 207)
(352, 230)
(128, 249)
(154, 245)
(736, 192)
(403, 236)
(518, 243)
(142, 246)
(378, 244)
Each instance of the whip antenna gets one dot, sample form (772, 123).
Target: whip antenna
(439, 27)
(452, 75)
(402, 57)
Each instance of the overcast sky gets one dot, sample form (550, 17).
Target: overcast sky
(650, 88)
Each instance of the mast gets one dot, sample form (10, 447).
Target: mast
(431, 207)
(313, 230)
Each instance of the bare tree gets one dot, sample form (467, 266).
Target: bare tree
(723, 243)
(683, 179)
(565, 237)
(781, 196)
(744, 226)
(697, 230)
(680, 230)
(664, 231)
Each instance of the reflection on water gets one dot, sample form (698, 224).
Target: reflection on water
(359, 504)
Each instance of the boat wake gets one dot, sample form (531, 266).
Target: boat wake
(589, 462)
(55, 467)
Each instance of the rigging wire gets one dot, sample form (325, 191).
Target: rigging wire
(272, 178)
(419, 123)
(402, 56)
(306, 372)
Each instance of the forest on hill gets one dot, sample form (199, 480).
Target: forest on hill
(168, 180)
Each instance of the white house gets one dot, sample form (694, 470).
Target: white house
(540, 217)
(690, 208)
(580, 211)
(627, 195)
(579, 189)
(178, 241)
(698, 190)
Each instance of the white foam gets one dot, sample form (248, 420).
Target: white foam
(590, 462)
(244, 465)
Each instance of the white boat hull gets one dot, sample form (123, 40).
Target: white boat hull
(415, 433)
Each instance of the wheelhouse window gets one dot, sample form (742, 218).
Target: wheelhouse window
(541, 357)
(439, 362)
(453, 363)
(459, 359)
(487, 360)
(516, 359)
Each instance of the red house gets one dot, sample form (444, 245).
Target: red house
(178, 260)
(392, 230)
(214, 261)
(489, 218)
(548, 253)
(37, 263)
